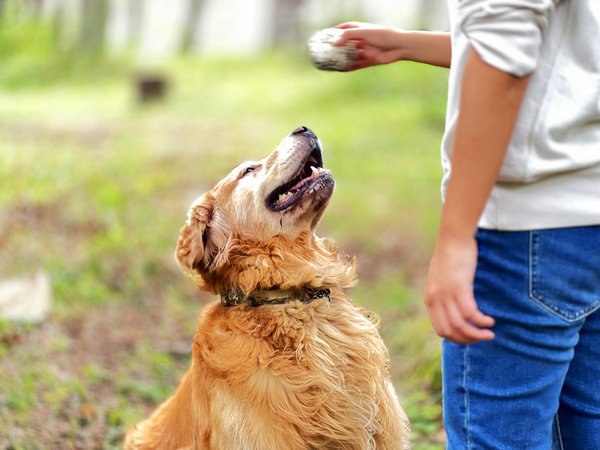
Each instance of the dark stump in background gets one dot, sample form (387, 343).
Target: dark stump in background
(151, 87)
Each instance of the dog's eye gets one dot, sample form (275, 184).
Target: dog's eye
(246, 171)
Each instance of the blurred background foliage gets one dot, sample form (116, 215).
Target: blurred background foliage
(96, 178)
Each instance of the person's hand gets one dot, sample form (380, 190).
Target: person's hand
(449, 293)
(375, 44)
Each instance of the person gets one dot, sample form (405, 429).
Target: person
(513, 286)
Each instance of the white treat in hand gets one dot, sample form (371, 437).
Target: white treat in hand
(326, 56)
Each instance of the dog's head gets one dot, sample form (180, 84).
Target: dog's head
(255, 228)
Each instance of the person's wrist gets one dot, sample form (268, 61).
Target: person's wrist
(455, 234)
(398, 39)
(409, 44)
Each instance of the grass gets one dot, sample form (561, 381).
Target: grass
(94, 188)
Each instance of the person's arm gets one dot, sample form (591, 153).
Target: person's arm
(382, 45)
(489, 105)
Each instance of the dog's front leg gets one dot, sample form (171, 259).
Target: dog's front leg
(180, 422)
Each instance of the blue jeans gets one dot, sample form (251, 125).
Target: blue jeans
(537, 384)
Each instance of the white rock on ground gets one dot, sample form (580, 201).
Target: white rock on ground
(26, 298)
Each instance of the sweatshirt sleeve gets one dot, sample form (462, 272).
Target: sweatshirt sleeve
(507, 34)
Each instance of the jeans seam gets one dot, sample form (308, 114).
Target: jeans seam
(558, 433)
(466, 395)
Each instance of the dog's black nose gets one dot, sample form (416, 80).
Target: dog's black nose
(303, 130)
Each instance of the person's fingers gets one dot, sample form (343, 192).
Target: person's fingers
(449, 291)
(449, 320)
(364, 58)
(355, 31)
(350, 34)
(457, 330)
(462, 330)
(439, 320)
(366, 52)
(470, 311)
(480, 319)
(347, 25)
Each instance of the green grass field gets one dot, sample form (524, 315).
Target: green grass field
(94, 188)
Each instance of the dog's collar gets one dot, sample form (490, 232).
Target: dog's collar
(273, 296)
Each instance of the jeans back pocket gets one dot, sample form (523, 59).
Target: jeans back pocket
(564, 275)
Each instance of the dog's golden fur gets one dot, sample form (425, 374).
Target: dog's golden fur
(293, 376)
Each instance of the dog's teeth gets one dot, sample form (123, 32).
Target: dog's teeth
(315, 171)
(312, 160)
(284, 197)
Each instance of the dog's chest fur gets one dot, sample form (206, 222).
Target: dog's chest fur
(305, 374)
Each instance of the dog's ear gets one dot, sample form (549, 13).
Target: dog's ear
(193, 237)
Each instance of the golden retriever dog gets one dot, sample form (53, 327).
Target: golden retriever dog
(285, 360)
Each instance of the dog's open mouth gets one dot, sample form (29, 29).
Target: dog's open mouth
(308, 181)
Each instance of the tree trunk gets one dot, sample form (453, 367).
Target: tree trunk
(286, 24)
(57, 25)
(136, 13)
(95, 15)
(37, 7)
(191, 24)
